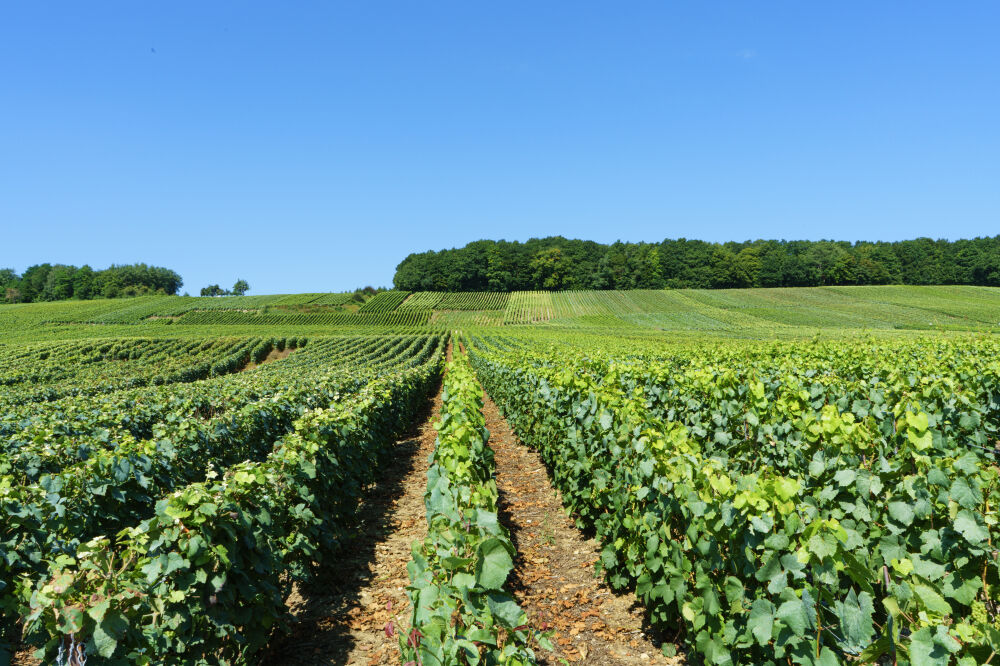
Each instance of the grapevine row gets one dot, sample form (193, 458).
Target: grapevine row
(862, 550)
(461, 611)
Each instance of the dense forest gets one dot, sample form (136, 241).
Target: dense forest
(58, 282)
(558, 263)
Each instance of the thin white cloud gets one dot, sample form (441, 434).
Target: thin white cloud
(747, 54)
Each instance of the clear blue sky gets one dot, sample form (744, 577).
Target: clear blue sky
(310, 146)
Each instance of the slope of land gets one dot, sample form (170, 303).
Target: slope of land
(726, 312)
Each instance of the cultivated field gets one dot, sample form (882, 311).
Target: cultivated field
(731, 312)
(779, 476)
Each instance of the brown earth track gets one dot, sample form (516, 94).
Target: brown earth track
(554, 578)
(273, 355)
(341, 618)
(25, 657)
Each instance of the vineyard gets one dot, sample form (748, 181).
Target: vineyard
(809, 503)
(729, 312)
(783, 476)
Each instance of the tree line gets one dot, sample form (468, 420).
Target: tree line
(557, 263)
(60, 282)
(239, 289)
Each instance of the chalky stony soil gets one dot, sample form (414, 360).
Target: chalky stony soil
(341, 619)
(554, 576)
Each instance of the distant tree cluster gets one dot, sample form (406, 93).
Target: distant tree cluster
(239, 289)
(556, 263)
(59, 282)
(362, 294)
(368, 291)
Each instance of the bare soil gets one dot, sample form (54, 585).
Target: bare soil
(341, 619)
(274, 355)
(25, 657)
(554, 578)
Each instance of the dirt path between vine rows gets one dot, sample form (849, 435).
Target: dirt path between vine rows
(272, 356)
(554, 577)
(341, 618)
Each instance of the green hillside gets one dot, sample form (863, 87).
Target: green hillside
(744, 312)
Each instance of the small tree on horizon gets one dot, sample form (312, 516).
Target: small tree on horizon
(213, 290)
(241, 287)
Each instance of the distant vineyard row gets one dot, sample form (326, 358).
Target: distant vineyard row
(733, 310)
